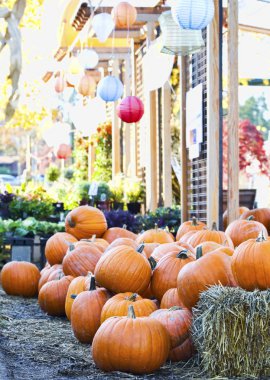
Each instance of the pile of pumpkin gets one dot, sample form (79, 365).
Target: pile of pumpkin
(131, 296)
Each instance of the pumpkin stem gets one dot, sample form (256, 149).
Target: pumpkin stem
(261, 237)
(92, 283)
(214, 226)
(71, 247)
(199, 252)
(131, 312)
(132, 298)
(93, 238)
(140, 248)
(60, 275)
(182, 254)
(124, 226)
(167, 229)
(152, 262)
(73, 296)
(156, 227)
(71, 223)
(251, 217)
(194, 221)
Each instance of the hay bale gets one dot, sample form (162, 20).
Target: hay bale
(231, 330)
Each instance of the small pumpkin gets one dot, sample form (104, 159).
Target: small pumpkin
(185, 238)
(117, 306)
(177, 321)
(155, 235)
(134, 338)
(244, 229)
(163, 249)
(85, 221)
(46, 272)
(56, 247)
(149, 248)
(241, 210)
(227, 250)
(20, 278)
(117, 232)
(77, 285)
(171, 298)
(211, 235)
(261, 215)
(206, 247)
(122, 241)
(183, 352)
(192, 225)
(86, 311)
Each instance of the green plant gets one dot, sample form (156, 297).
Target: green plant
(134, 190)
(102, 141)
(104, 193)
(53, 173)
(116, 186)
(69, 173)
(21, 207)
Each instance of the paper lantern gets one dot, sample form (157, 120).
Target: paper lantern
(193, 14)
(110, 89)
(63, 152)
(124, 15)
(74, 71)
(157, 67)
(86, 85)
(88, 59)
(178, 41)
(131, 109)
(102, 25)
(58, 133)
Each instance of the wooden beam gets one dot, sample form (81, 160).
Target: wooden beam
(184, 159)
(233, 112)
(213, 119)
(116, 162)
(167, 145)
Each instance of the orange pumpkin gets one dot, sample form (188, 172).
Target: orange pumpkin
(211, 235)
(85, 221)
(163, 249)
(155, 235)
(116, 232)
(100, 243)
(20, 278)
(118, 306)
(45, 274)
(193, 225)
(241, 211)
(244, 229)
(122, 241)
(124, 269)
(227, 250)
(206, 247)
(171, 298)
(56, 247)
(81, 260)
(134, 338)
(149, 248)
(185, 238)
(261, 215)
(183, 352)
(77, 285)
(124, 15)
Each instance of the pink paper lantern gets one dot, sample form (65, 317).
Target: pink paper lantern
(64, 151)
(60, 84)
(131, 109)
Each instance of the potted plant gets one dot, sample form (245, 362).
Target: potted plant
(102, 199)
(5, 199)
(134, 192)
(117, 192)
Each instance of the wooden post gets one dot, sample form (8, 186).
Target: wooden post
(128, 127)
(184, 160)
(115, 129)
(167, 147)
(134, 140)
(151, 141)
(233, 116)
(213, 119)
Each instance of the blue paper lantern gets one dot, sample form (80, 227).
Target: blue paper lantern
(110, 89)
(193, 14)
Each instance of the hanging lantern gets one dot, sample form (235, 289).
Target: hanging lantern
(58, 133)
(193, 14)
(157, 67)
(178, 41)
(103, 25)
(86, 85)
(131, 109)
(60, 84)
(110, 89)
(64, 151)
(88, 59)
(124, 15)
(74, 71)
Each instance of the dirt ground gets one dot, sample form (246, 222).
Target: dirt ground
(36, 346)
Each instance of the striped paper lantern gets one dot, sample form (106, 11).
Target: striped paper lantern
(193, 14)
(131, 109)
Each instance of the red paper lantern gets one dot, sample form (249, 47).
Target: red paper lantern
(64, 151)
(131, 109)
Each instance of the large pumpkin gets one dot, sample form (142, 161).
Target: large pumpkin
(261, 215)
(46, 273)
(52, 296)
(117, 232)
(77, 285)
(163, 249)
(123, 269)
(196, 277)
(86, 311)
(166, 272)
(137, 345)
(183, 352)
(206, 247)
(171, 298)
(211, 235)
(56, 247)
(177, 321)
(85, 221)
(251, 264)
(20, 278)
(244, 229)
(118, 305)
(241, 211)
(193, 225)
(81, 260)
(155, 235)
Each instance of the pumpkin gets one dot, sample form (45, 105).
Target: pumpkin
(20, 278)
(163, 249)
(211, 235)
(185, 238)
(86, 311)
(177, 321)
(170, 299)
(117, 232)
(241, 210)
(251, 264)
(52, 296)
(166, 272)
(183, 352)
(77, 285)
(124, 269)
(149, 248)
(118, 305)
(137, 345)
(81, 260)
(45, 274)
(197, 276)
(122, 241)
(56, 247)
(100, 243)
(85, 221)
(227, 250)
(206, 247)
(261, 215)
(242, 230)
(155, 235)
(87, 244)
(193, 225)
(148, 293)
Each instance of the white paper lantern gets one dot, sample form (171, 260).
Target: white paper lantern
(157, 67)
(58, 133)
(103, 25)
(88, 58)
(193, 14)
